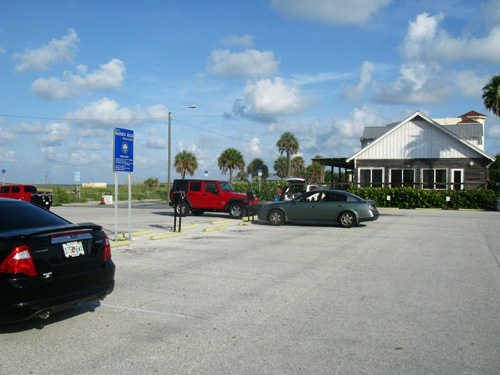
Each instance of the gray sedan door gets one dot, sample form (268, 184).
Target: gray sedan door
(330, 206)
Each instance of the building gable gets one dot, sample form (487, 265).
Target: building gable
(419, 137)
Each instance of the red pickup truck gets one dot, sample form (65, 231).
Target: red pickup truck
(27, 193)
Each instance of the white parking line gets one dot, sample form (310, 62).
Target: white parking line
(147, 311)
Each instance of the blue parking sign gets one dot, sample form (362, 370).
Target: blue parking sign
(123, 146)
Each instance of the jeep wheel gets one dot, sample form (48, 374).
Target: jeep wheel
(181, 209)
(236, 211)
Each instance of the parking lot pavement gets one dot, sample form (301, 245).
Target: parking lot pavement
(415, 292)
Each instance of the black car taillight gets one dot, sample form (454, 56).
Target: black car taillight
(107, 249)
(19, 261)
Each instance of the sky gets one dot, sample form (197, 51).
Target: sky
(71, 71)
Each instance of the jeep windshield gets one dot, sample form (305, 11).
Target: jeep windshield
(225, 186)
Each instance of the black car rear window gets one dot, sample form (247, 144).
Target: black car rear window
(18, 215)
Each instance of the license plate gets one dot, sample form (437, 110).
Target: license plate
(73, 249)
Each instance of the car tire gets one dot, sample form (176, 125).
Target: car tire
(347, 219)
(236, 210)
(182, 209)
(197, 212)
(276, 217)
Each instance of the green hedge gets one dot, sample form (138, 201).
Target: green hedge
(418, 198)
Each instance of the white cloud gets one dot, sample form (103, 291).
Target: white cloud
(425, 41)
(55, 134)
(270, 98)
(7, 155)
(25, 128)
(354, 93)
(247, 63)
(354, 126)
(252, 150)
(469, 84)
(57, 51)
(155, 142)
(422, 30)
(6, 135)
(107, 113)
(86, 145)
(52, 155)
(491, 13)
(2, 50)
(418, 83)
(300, 79)
(332, 12)
(108, 76)
(245, 41)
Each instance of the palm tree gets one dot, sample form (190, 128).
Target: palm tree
(185, 161)
(298, 166)
(257, 165)
(314, 173)
(152, 183)
(289, 144)
(491, 95)
(231, 159)
(280, 166)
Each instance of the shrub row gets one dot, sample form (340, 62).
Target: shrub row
(417, 198)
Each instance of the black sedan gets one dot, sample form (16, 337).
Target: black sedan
(48, 264)
(330, 206)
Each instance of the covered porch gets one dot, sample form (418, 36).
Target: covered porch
(344, 169)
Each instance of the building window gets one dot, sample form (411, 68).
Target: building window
(434, 178)
(371, 177)
(458, 179)
(402, 178)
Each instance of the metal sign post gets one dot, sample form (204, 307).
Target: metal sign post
(123, 161)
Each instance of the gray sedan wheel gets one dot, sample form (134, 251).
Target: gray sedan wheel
(347, 219)
(276, 217)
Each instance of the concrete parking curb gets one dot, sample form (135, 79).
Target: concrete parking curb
(120, 243)
(124, 235)
(186, 226)
(221, 221)
(169, 235)
(215, 228)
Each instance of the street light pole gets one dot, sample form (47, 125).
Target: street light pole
(170, 144)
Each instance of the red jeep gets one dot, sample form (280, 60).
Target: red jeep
(211, 196)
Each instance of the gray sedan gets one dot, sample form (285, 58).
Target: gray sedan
(331, 206)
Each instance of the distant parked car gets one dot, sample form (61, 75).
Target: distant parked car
(294, 187)
(331, 206)
(48, 264)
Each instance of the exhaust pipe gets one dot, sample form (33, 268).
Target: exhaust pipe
(45, 315)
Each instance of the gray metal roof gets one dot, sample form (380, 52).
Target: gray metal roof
(462, 130)
(374, 132)
(466, 130)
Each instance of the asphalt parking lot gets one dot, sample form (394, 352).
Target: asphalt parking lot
(416, 292)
